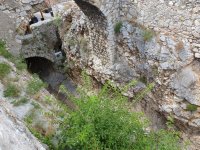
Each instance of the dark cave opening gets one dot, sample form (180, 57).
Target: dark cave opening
(41, 66)
(50, 73)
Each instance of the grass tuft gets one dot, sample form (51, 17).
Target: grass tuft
(117, 27)
(147, 35)
(3, 51)
(5, 69)
(191, 107)
(21, 101)
(20, 64)
(35, 85)
(11, 91)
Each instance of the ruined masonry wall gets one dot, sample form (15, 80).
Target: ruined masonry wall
(169, 58)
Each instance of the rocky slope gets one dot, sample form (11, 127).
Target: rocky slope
(13, 133)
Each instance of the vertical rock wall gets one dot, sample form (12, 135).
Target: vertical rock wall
(158, 43)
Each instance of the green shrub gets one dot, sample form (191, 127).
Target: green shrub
(11, 91)
(147, 35)
(3, 51)
(118, 27)
(5, 69)
(103, 121)
(35, 85)
(191, 107)
(21, 101)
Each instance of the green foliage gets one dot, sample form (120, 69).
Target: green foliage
(103, 121)
(57, 21)
(21, 101)
(118, 27)
(36, 105)
(170, 122)
(35, 85)
(29, 119)
(44, 139)
(143, 79)
(20, 63)
(147, 35)
(143, 93)
(11, 91)
(3, 51)
(5, 69)
(191, 107)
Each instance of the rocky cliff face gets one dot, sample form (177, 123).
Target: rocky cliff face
(157, 42)
(13, 133)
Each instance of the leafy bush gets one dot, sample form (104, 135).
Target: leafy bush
(118, 27)
(147, 35)
(35, 85)
(5, 69)
(103, 121)
(3, 51)
(11, 91)
(191, 107)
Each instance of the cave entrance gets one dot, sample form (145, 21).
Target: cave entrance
(41, 66)
(49, 73)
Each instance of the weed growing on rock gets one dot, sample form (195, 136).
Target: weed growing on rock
(3, 51)
(37, 129)
(11, 91)
(191, 107)
(36, 105)
(57, 21)
(5, 69)
(20, 102)
(35, 85)
(117, 27)
(147, 35)
(20, 64)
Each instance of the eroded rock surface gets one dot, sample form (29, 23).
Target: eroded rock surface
(169, 57)
(13, 134)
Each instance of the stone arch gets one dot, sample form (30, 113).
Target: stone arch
(97, 27)
(92, 12)
(39, 65)
(48, 56)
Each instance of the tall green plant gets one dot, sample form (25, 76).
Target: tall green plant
(103, 121)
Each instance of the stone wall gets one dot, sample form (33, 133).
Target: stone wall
(158, 42)
(42, 42)
(14, 15)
